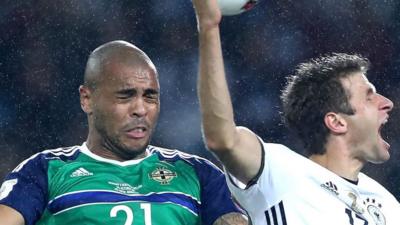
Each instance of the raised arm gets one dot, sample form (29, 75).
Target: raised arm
(238, 148)
(9, 216)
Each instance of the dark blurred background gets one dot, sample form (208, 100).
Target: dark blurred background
(44, 46)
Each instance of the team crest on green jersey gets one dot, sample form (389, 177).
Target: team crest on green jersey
(162, 175)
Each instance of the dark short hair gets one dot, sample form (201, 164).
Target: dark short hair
(314, 90)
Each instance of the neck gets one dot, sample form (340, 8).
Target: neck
(106, 149)
(109, 152)
(339, 163)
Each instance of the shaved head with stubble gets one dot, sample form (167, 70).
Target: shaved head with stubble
(120, 95)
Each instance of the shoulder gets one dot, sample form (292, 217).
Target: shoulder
(177, 155)
(367, 182)
(174, 154)
(371, 185)
(278, 152)
(169, 153)
(43, 158)
(274, 146)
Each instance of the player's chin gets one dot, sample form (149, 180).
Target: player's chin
(381, 156)
(381, 151)
(385, 155)
(137, 144)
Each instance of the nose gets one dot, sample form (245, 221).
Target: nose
(386, 104)
(138, 107)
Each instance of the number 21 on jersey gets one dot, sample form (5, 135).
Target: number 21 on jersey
(129, 213)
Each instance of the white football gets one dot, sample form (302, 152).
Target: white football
(234, 7)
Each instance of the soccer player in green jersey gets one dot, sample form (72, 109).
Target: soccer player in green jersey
(116, 177)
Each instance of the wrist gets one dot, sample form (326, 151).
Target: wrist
(204, 26)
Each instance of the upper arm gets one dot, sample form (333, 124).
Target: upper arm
(232, 219)
(25, 190)
(10, 216)
(243, 160)
(216, 199)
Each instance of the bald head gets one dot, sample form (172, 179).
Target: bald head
(121, 52)
(121, 99)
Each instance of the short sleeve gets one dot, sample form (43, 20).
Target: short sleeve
(25, 188)
(275, 178)
(216, 199)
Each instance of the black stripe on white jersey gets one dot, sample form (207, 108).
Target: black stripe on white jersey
(276, 215)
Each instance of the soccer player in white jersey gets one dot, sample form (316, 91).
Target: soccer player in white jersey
(335, 111)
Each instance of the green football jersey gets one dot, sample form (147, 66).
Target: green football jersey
(75, 186)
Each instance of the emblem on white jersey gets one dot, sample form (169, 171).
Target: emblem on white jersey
(331, 187)
(349, 197)
(355, 205)
(81, 172)
(7, 187)
(374, 210)
(162, 175)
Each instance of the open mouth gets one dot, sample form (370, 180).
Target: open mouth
(382, 133)
(382, 125)
(137, 132)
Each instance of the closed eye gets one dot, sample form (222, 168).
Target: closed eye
(125, 94)
(151, 95)
(370, 93)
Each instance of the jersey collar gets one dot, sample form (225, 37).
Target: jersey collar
(84, 149)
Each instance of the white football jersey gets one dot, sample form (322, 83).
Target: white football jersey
(293, 190)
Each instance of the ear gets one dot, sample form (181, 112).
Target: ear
(85, 98)
(335, 123)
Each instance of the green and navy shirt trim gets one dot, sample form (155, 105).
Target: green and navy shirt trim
(29, 195)
(88, 197)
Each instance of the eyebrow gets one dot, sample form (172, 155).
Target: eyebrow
(371, 90)
(372, 87)
(151, 91)
(126, 91)
(133, 91)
